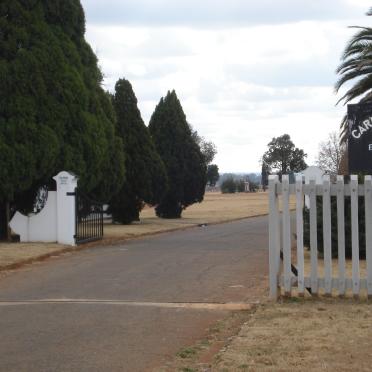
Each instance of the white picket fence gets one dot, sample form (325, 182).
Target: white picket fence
(280, 236)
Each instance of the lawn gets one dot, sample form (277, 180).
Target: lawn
(302, 335)
(215, 208)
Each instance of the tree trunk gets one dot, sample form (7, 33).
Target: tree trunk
(4, 221)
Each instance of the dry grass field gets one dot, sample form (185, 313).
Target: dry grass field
(302, 335)
(295, 334)
(215, 208)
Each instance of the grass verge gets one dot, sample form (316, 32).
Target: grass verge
(216, 208)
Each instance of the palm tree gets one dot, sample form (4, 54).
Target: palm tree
(356, 66)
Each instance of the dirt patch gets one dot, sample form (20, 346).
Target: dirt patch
(201, 355)
(302, 334)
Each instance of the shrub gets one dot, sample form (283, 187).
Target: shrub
(334, 229)
(228, 186)
(240, 186)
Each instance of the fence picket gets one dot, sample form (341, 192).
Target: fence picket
(341, 234)
(327, 238)
(274, 236)
(300, 235)
(286, 235)
(354, 233)
(313, 238)
(368, 222)
(324, 192)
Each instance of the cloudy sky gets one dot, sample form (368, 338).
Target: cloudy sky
(245, 70)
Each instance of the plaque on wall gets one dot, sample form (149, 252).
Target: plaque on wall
(359, 118)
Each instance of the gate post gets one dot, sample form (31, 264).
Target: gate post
(274, 236)
(66, 214)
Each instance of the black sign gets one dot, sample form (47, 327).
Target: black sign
(360, 138)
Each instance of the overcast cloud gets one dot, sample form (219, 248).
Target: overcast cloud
(218, 13)
(245, 71)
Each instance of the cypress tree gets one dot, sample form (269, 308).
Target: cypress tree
(183, 160)
(54, 114)
(146, 179)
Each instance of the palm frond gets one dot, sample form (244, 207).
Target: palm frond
(355, 73)
(361, 47)
(344, 129)
(361, 87)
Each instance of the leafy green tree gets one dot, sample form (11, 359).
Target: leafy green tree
(183, 160)
(253, 186)
(283, 157)
(212, 175)
(146, 180)
(228, 186)
(207, 148)
(54, 114)
(356, 68)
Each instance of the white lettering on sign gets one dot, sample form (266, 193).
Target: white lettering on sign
(370, 147)
(366, 125)
(355, 134)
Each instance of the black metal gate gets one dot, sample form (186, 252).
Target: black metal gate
(89, 219)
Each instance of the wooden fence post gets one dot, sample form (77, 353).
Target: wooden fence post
(300, 235)
(274, 237)
(368, 223)
(313, 238)
(341, 234)
(354, 233)
(286, 236)
(327, 236)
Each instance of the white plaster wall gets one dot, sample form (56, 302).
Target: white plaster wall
(41, 227)
(312, 172)
(66, 183)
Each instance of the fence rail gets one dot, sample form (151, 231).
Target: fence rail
(280, 235)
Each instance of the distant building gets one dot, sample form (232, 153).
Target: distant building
(311, 173)
(246, 186)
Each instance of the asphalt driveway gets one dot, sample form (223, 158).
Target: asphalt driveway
(130, 307)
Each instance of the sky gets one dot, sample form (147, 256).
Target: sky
(245, 71)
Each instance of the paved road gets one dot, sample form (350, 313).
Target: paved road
(118, 308)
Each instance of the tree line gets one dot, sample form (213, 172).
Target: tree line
(55, 115)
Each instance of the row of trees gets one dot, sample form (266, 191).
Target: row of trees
(55, 115)
(231, 185)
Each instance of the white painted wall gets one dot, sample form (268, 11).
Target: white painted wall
(312, 172)
(66, 183)
(56, 221)
(38, 227)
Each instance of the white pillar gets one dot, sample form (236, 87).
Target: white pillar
(66, 183)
